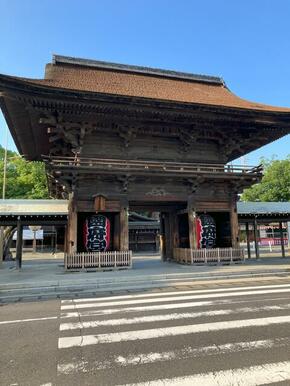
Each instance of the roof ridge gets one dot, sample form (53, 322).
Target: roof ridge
(136, 69)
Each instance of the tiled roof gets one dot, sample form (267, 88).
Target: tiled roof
(133, 81)
(33, 207)
(263, 208)
(58, 59)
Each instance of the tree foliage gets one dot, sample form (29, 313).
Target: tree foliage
(24, 179)
(275, 184)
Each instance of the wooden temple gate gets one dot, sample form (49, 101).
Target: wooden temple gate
(115, 137)
(178, 214)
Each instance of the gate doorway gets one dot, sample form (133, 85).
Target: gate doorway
(144, 233)
(165, 214)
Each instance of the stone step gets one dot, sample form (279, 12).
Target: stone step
(69, 291)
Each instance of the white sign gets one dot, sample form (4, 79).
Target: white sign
(29, 235)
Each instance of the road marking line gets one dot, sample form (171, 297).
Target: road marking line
(110, 311)
(154, 294)
(164, 317)
(74, 367)
(86, 340)
(174, 298)
(138, 308)
(27, 320)
(184, 353)
(247, 376)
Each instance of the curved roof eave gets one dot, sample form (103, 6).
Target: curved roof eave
(48, 88)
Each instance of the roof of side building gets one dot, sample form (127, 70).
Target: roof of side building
(60, 207)
(10, 207)
(263, 208)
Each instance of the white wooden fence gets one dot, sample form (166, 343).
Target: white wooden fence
(98, 260)
(209, 256)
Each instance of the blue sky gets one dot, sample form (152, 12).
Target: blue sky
(246, 42)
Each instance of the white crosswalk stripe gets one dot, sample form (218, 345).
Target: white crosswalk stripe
(173, 298)
(213, 311)
(163, 317)
(172, 293)
(161, 307)
(86, 340)
(251, 376)
(188, 352)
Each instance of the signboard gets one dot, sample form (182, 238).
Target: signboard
(29, 235)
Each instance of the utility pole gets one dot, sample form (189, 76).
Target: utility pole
(5, 167)
(3, 197)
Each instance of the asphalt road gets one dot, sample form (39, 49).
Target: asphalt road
(208, 336)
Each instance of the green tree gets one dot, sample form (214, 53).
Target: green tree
(24, 179)
(275, 184)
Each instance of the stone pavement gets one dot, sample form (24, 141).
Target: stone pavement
(41, 279)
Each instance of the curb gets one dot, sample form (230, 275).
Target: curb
(99, 282)
(57, 292)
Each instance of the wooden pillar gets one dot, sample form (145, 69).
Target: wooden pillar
(192, 229)
(174, 229)
(256, 238)
(65, 239)
(281, 238)
(116, 236)
(19, 243)
(34, 242)
(56, 241)
(124, 229)
(162, 238)
(168, 243)
(234, 224)
(136, 240)
(72, 225)
(157, 242)
(173, 239)
(248, 240)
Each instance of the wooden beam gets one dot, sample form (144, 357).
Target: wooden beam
(33, 222)
(182, 211)
(155, 206)
(100, 203)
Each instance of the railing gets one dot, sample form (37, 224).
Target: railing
(98, 260)
(184, 168)
(209, 256)
(272, 241)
